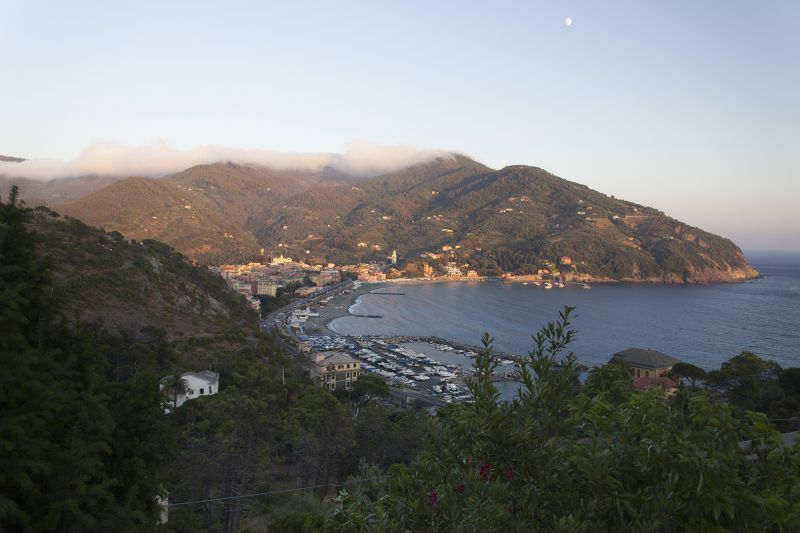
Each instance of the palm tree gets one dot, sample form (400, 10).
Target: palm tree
(174, 386)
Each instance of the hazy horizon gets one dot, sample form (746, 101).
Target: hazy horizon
(690, 108)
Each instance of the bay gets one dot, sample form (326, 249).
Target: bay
(701, 324)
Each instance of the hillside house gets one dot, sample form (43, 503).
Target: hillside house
(334, 370)
(646, 363)
(664, 383)
(453, 270)
(203, 383)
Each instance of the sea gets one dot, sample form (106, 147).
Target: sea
(701, 324)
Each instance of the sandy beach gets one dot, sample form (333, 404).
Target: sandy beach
(338, 307)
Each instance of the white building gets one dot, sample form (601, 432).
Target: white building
(203, 383)
(453, 270)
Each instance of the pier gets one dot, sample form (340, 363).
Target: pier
(388, 293)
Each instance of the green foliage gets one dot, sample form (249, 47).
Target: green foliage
(689, 371)
(298, 522)
(789, 379)
(77, 452)
(370, 386)
(595, 458)
(749, 382)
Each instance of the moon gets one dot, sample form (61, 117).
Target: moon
(567, 21)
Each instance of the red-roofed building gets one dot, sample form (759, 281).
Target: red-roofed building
(662, 382)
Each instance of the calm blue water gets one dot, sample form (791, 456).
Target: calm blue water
(704, 325)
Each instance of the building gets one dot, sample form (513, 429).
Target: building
(266, 288)
(245, 288)
(661, 382)
(255, 304)
(647, 363)
(453, 270)
(203, 383)
(334, 370)
(280, 260)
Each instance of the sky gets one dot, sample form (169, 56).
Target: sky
(691, 107)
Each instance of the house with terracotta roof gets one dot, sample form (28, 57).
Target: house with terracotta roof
(661, 382)
(645, 363)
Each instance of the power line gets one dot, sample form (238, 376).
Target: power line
(277, 491)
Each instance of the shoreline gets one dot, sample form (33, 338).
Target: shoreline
(339, 307)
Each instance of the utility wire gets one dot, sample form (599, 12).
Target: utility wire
(277, 491)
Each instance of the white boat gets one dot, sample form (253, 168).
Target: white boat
(548, 285)
(586, 286)
(524, 282)
(560, 284)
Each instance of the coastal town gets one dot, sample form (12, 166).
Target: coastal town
(256, 281)
(423, 371)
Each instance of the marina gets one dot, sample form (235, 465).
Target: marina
(403, 363)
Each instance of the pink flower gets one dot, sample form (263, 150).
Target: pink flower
(461, 488)
(509, 473)
(433, 500)
(485, 470)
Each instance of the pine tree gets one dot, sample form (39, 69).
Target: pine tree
(76, 452)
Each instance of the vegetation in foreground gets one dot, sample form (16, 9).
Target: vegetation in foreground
(597, 457)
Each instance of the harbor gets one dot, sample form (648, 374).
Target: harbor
(432, 367)
(426, 365)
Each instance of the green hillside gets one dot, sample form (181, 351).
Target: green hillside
(133, 287)
(516, 220)
(208, 212)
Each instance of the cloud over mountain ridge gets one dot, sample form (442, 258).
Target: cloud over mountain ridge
(360, 159)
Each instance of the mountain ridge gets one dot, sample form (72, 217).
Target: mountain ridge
(517, 220)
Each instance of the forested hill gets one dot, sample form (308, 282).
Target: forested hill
(135, 287)
(208, 212)
(516, 220)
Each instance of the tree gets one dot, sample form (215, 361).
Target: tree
(748, 381)
(66, 461)
(790, 381)
(174, 386)
(365, 388)
(321, 432)
(595, 458)
(689, 371)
